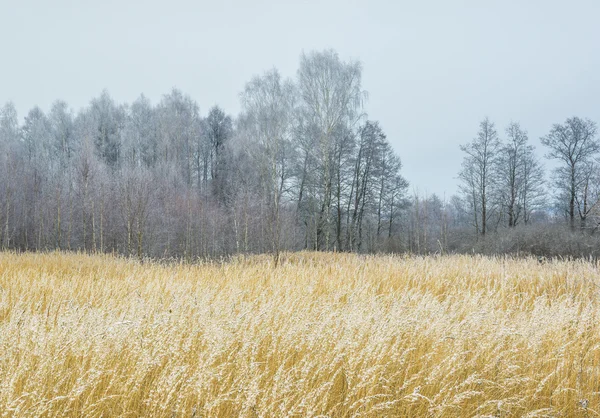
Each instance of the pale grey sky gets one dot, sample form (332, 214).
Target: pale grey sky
(433, 69)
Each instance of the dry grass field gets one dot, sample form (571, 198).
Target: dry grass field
(322, 335)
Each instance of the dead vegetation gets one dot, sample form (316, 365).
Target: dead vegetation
(321, 335)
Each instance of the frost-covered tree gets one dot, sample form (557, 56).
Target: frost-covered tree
(332, 97)
(268, 102)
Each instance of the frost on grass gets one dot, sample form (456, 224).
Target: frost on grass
(321, 335)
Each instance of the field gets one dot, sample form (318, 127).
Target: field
(321, 335)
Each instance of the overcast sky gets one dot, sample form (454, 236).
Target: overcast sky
(433, 69)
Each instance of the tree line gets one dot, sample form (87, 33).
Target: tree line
(507, 203)
(503, 183)
(301, 167)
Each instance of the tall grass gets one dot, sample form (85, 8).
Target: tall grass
(321, 335)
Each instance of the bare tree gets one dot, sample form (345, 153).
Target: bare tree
(391, 188)
(107, 123)
(62, 140)
(519, 176)
(140, 146)
(135, 195)
(371, 143)
(477, 173)
(574, 144)
(11, 155)
(533, 190)
(178, 121)
(331, 95)
(268, 102)
(36, 136)
(218, 129)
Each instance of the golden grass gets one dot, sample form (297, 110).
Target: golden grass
(322, 335)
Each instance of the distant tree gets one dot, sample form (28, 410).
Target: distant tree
(36, 133)
(533, 190)
(85, 170)
(391, 189)
(429, 224)
(10, 161)
(588, 197)
(63, 147)
(36, 136)
(519, 176)
(135, 193)
(178, 120)
(301, 168)
(371, 145)
(268, 103)
(458, 209)
(218, 130)
(10, 132)
(63, 141)
(107, 122)
(140, 147)
(332, 96)
(575, 145)
(395, 200)
(477, 174)
(344, 148)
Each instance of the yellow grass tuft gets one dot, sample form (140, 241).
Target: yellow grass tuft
(321, 335)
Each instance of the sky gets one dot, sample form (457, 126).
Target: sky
(433, 69)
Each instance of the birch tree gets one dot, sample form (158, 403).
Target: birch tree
(10, 160)
(332, 95)
(268, 103)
